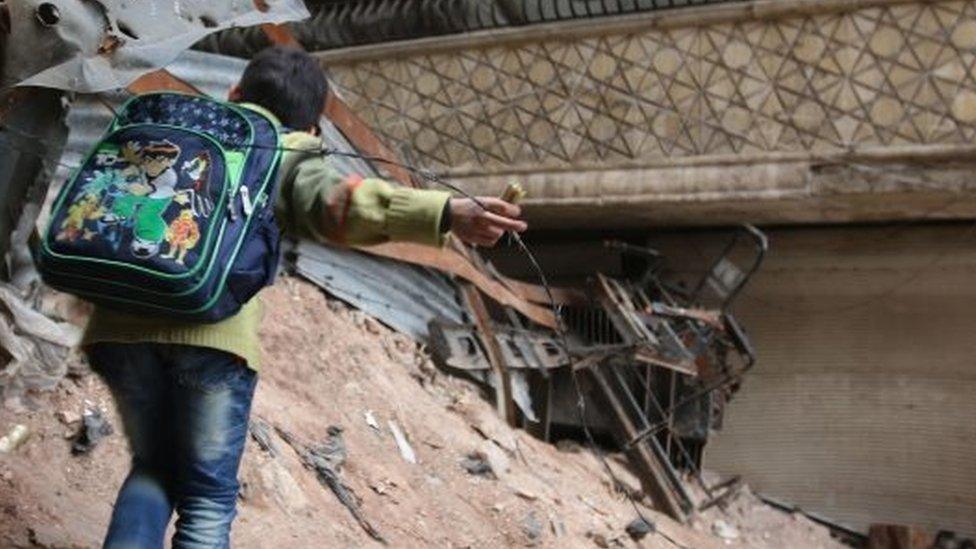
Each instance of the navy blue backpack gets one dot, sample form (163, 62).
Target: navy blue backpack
(172, 212)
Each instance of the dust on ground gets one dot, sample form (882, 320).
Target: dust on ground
(326, 365)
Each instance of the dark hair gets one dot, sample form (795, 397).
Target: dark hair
(288, 82)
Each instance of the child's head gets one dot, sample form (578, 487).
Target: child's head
(286, 81)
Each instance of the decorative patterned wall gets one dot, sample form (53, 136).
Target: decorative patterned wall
(887, 75)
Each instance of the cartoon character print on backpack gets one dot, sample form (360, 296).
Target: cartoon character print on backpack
(84, 216)
(131, 192)
(182, 235)
(150, 189)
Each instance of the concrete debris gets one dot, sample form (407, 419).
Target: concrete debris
(639, 528)
(371, 420)
(68, 418)
(14, 439)
(94, 427)
(406, 451)
(725, 530)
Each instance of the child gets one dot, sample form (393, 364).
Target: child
(184, 390)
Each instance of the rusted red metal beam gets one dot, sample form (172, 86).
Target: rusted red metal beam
(161, 80)
(280, 35)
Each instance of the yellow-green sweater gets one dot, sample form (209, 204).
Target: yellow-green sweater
(314, 201)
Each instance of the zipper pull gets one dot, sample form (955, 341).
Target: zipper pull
(246, 201)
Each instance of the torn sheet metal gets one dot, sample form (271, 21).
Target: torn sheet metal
(99, 45)
(400, 295)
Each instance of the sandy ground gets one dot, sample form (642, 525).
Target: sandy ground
(328, 365)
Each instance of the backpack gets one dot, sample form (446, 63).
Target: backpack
(172, 212)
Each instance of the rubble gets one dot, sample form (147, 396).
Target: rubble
(312, 380)
(14, 439)
(94, 427)
(476, 463)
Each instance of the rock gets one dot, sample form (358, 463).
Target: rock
(276, 481)
(14, 439)
(371, 325)
(476, 463)
(532, 527)
(569, 446)
(599, 539)
(68, 418)
(725, 530)
(639, 528)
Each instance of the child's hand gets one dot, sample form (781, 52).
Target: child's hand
(484, 226)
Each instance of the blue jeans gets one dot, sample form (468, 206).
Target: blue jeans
(185, 411)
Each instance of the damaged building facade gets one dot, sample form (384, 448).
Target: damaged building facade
(845, 129)
(649, 136)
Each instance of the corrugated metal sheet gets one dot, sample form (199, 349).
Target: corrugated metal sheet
(404, 296)
(861, 407)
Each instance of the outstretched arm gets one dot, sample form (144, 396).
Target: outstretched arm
(319, 203)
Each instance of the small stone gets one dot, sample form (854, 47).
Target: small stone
(599, 539)
(725, 530)
(371, 325)
(532, 527)
(639, 528)
(68, 418)
(476, 463)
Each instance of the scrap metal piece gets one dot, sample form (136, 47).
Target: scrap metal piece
(456, 345)
(100, 45)
(652, 339)
(328, 476)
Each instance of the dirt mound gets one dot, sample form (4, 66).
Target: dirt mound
(475, 483)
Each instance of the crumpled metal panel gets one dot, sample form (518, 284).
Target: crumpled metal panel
(99, 45)
(403, 296)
